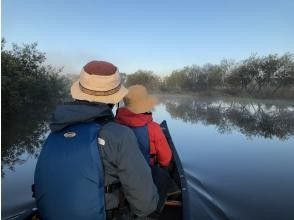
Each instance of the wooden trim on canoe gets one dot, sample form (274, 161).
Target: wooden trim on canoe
(173, 203)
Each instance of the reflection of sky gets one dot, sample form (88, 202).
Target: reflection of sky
(240, 175)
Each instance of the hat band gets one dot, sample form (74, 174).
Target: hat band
(99, 93)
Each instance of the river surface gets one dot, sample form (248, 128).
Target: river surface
(237, 154)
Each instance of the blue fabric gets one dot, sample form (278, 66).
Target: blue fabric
(69, 179)
(79, 111)
(143, 140)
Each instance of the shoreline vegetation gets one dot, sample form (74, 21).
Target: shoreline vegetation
(266, 77)
(284, 94)
(162, 97)
(27, 80)
(223, 95)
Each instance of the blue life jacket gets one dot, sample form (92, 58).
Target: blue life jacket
(69, 177)
(143, 140)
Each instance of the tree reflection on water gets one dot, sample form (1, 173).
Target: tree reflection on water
(251, 118)
(23, 132)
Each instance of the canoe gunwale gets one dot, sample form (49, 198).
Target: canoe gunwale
(180, 170)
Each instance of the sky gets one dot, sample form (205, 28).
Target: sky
(156, 35)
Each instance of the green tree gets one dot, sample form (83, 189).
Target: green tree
(283, 73)
(175, 81)
(214, 75)
(27, 80)
(147, 78)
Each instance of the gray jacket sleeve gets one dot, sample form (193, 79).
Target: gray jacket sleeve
(122, 153)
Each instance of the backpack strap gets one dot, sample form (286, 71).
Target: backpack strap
(112, 187)
(153, 157)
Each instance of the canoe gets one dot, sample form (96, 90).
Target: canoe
(176, 204)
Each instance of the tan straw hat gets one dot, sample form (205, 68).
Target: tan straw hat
(138, 100)
(99, 82)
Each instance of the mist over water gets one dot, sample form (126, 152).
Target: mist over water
(237, 155)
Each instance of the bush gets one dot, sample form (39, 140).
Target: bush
(26, 80)
(147, 78)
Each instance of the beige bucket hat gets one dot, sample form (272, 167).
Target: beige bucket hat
(99, 82)
(138, 100)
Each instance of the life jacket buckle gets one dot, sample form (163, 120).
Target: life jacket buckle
(107, 189)
(112, 187)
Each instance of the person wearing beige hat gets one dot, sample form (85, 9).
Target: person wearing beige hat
(86, 162)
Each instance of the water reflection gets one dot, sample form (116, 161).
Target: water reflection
(227, 174)
(251, 118)
(23, 132)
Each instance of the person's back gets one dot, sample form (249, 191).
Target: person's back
(137, 115)
(69, 178)
(152, 142)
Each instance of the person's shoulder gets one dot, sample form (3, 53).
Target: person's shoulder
(118, 137)
(114, 129)
(154, 125)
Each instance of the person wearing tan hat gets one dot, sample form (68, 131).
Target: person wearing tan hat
(88, 158)
(137, 115)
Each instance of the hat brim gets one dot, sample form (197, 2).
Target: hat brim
(76, 93)
(143, 106)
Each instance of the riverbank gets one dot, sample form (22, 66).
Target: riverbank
(287, 94)
(199, 96)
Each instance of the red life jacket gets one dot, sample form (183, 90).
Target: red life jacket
(157, 140)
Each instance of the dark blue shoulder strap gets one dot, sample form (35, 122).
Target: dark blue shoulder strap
(143, 141)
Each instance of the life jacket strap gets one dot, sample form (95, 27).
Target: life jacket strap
(152, 155)
(112, 214)
(33, 191)
(112, 187)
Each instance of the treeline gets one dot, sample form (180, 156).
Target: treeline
(268, 76)
(26, 80)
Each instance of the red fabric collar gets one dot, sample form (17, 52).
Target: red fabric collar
(126, 117)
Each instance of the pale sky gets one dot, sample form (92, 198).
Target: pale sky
(154, 35)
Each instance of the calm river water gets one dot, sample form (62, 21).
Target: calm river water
(238, 156)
